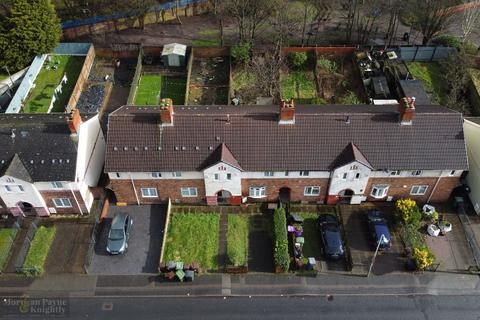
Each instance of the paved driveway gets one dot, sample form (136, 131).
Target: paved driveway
(144, 244)
(358, 239)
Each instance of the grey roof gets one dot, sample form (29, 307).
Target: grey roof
(137, 142)
(415, 88)
(41, 143)
(350, 154)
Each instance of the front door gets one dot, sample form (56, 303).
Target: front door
(223, 197)
(345, 196)
(26, 208)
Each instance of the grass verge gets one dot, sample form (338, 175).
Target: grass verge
(38, 252)
(193, 237)
(7, 237)
(48, 79)
(237, 239)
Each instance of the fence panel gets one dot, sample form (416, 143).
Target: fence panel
(428, 53)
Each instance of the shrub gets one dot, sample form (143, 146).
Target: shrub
(327, 65)
(281, 256)
(241, 52)
(351, 98)
(448, 41)
(423, 257)
(319, 100)
(408, 212)
(298, 59)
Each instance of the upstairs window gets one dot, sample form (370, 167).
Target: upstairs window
(417, 173)
(395, 173)
(57, 185)
(176, 174)
(216, 177)
(344, 176)
(304, 173)
(268, 173)
(229, 176)
(156, 175)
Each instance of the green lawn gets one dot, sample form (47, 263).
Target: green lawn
(39, 248)
(207, 38)
(148, 90)
(237, 239)
(7, 236)
(193, 237)
(174, 88)
(311, 233)
(431, 75)
(47, 80)
(299, 85)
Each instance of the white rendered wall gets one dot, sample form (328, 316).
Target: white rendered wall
(30, 194)
(337, 183)
(212, 186)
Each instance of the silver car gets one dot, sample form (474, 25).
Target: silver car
(119, 233)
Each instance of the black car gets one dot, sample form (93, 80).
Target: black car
(331, 237)
(379, 229)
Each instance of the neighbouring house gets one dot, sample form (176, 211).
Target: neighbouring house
(49, 162)
(471, 126)
(174, 55)
(327, 154)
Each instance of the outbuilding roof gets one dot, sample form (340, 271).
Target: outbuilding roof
(138, 143)
(174, 48)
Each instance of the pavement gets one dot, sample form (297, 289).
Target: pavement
(144, 244)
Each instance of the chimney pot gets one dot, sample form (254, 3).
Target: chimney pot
(287, 112)
(166, 112)
(406, 109)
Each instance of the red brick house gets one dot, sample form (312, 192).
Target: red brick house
(319, 154)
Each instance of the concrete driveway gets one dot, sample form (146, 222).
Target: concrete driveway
(144, 244)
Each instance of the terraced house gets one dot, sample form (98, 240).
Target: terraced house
(49, 162)
(320, 154)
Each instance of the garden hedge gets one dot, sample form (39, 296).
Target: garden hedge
(281, 256)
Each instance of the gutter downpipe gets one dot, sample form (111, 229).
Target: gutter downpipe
(434, 187)
(76, 200)
(134, 189)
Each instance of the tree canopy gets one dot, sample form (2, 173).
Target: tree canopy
(29, 28)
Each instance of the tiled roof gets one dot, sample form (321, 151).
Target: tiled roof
(138, 143)
(221, 154)
(41, 143)
(350, 154)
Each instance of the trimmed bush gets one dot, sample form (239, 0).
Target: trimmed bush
(281, 256)
(423, 257)
(298, 59)
(408, 212)
(241, 52)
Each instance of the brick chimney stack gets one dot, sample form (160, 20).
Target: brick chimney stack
(74, 121)
(166, 112)
(406, 108)
(287, 112)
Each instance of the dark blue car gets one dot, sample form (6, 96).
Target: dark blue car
(378, 227)
(331, 237)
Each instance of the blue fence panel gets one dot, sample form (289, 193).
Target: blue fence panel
(428, 53)
(92, 20)
(72, 48)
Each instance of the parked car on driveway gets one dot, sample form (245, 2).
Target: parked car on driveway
(331, 237)
(117, 242)
(378, 227)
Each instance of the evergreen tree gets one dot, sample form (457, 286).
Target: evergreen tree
(31, 27)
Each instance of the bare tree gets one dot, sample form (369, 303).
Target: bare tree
(285, 25)
(456, 76)
(471, 18)
(430, 16)
(266, 69)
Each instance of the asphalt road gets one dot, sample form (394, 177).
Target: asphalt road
(265, 308)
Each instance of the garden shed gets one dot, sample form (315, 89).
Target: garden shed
(174, 55)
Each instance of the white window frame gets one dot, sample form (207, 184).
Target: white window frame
(62, 202)
(189, 192)
(57, 185)
(382, 191)
(8, 188)
(287, 173)
(20, 188)
(147, 192)
(418, 190)
(452, 172)
(395, 173)
(417, 173)
(176, 174)
(118, 174)
(357, 175)
(268, 173)
(257, 192)
(345, 175)
(156, 174)
(228, 176)
(304, 173)
(311, 191)
(216, 176)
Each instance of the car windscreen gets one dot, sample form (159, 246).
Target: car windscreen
(116, 234)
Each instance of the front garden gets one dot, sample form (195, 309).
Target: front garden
(7, 237)
(237, 240)
(38, 251)
(193, 238)
(56, 66)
